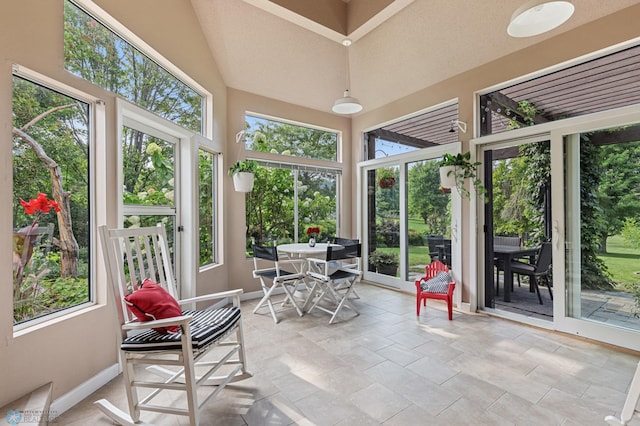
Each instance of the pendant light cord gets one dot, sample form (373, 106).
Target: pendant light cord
(346, 44)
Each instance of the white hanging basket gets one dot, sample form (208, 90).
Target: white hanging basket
(243, 181)
(448, 176)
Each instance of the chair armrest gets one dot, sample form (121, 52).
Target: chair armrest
(317, 275)
(256, 272)
(316, 260)
(452, 287)
(352, 270)
(138, 325)
(235, 294)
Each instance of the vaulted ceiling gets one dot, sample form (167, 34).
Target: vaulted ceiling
(290, 50)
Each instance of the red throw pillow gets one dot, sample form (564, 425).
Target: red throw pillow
(152, 302)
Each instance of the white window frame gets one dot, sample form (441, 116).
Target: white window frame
(202, 143)
(185, 186)
(97, 179)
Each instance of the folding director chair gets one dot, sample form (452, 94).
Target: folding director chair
(274, 277)
(332, 285)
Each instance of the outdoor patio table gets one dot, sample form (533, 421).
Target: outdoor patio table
(507, 254)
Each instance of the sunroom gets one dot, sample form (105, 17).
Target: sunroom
(107, 147)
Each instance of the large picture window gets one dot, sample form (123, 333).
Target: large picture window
(286, 201)
(51, 207)
(94, 52)
(277, 137)
(291, 194)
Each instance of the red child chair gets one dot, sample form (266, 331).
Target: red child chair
(437, 283)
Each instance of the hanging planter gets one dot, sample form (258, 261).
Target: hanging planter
(386, 178)
(386, 183)
(243, 175)
(243, 181)
(448, 177)
(455, 169)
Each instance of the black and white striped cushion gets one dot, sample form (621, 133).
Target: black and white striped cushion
(207, 326)
(437, 284)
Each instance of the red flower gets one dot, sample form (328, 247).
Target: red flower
(311, 231)
(39, 205)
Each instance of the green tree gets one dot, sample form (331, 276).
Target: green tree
(513, 210)
(619, 187)
(288, 139)
(426, 200)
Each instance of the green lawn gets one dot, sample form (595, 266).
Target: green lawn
(417, 224)
(623, 262)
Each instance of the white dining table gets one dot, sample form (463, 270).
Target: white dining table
(305, 251)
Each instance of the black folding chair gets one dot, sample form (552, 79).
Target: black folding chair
(274, 277)
(332, 282)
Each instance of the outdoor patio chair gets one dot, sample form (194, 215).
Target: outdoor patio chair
(274, 277)
(433, 241)
(500, 240)
(540, 269)
(157, 333)
(333, 283)
(437, 284)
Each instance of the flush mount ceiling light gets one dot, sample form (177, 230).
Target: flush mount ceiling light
(347, 104)
(539, 16)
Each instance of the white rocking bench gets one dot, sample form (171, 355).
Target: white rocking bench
(176, 359)
(630, 404)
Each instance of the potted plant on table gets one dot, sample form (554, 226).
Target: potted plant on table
(243, 175)
(313, 232)
(385, 262)
(454, 169)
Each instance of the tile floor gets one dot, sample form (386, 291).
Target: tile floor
(387, 367)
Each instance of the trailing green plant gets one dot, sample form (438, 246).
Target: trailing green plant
(247, 166)
(594, 272)
(527, 112)
(463, 169)
(385, 173)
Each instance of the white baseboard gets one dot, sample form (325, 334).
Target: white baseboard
(74, 396)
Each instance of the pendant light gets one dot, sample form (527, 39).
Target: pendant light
(539, 16)
(347, 104)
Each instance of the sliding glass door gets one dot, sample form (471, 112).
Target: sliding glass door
(407, 217)
(602, 231)
(587, 174)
